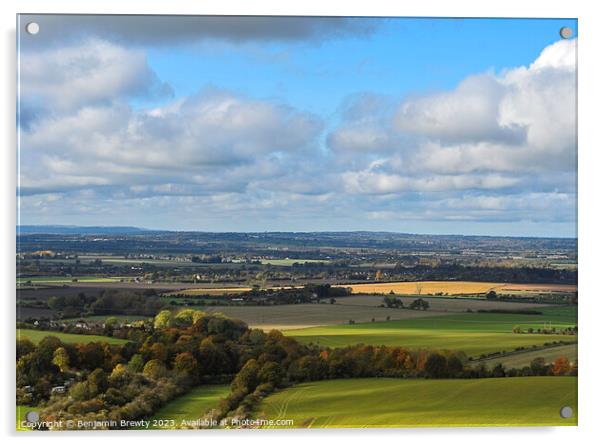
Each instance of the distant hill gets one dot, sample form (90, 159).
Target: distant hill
(80, 230)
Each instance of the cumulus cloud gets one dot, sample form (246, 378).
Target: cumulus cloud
(467, 114)
(492, 131)
(498, 147)
(206, 137)
(88, 73)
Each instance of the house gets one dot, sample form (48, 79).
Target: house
(82, 324)
(58, 390)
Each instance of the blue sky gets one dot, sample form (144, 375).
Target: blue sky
(405, 56)
(399, 124)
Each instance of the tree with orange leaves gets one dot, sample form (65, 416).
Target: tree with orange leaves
(562, 366)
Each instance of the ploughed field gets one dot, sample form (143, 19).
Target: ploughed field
(442, 304)
(454, 287)
(359, 308)
(288, 316)
(384, 402)
(473, 333)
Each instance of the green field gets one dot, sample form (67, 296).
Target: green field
(36, 336)
(101, 318)
(291, 261)
(361, 403)
(65, 280)
(473, 333)
(193, 405)
(22, 411)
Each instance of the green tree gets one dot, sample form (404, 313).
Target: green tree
(186, 364)
(436, 366)
(154, 369)
(61, 359)
(98, 382)
(136, 363)
(247, 378)
(491, 295)
(79, 392)
(163, 320)
(271, 372)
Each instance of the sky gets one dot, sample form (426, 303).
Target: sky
(441, 126)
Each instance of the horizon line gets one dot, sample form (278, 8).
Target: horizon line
(145, 229)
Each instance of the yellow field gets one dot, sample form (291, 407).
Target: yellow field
(452, 287)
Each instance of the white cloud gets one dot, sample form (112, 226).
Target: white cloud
(91, 72)
(213, 138)
(499, 147)
(467, 114)
(492, 131)
(370, 182)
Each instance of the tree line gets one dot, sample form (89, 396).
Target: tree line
(180, 350)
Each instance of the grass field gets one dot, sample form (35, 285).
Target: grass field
(22, 411)
(101, 318)
(36, 336)
(66, 280)
(473, 333)
(193, 405)
(291, 261)
(523, 359)
(452, 287)
(356, 403)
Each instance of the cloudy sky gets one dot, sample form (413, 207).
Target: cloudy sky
(299, 124)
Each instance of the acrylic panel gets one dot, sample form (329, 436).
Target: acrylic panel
(295, 222)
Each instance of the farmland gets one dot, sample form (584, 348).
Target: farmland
(453, 288)
(193, 405)
(425, 294)
(304, 315)
(522, 359)
(208, 291)
(36, 336)
(65, 279)
(475, 334)
(356, 403)
(290, 261)
(443, 304)
(359, 308)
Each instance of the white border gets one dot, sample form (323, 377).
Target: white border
(590, 247)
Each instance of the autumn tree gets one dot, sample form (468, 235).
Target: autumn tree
(562, 366)
(154, 369)
(186, 365)
(61, 359)
(163, 320)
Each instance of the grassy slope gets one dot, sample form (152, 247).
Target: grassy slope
(192, 405)
(22, 411)
(473, 333)
(427, 403)
(36, 336)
